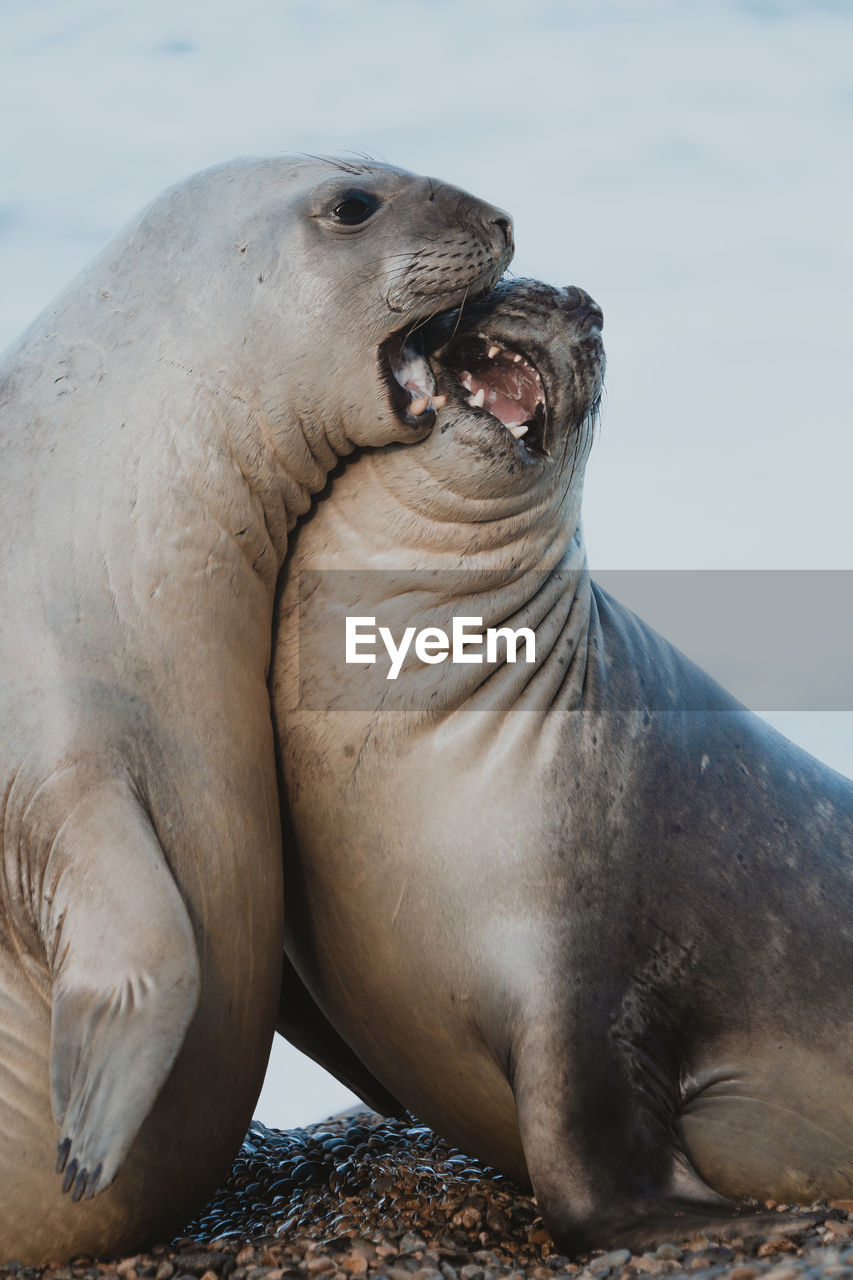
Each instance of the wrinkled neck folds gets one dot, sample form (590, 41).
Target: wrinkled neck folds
(397, 545)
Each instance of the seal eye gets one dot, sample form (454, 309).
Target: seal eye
(355, 207)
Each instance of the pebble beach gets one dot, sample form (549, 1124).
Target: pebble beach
(363, 1196)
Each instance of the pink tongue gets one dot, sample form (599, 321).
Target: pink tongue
(511, 392)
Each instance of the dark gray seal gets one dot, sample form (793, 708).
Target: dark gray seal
(586, 916)
(161, 428)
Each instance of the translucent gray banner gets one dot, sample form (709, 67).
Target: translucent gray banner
(778, 640)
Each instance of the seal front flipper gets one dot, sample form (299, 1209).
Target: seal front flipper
(598, 1119)
(125, 975)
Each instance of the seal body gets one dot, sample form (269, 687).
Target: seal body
(586, 915)
(161, 428)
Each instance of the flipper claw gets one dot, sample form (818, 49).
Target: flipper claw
(93, 1182)
(80, 1185)
(70, 1175)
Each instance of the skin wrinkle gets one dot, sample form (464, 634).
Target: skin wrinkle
(19, 892)
(298, 488)
(552, 683)
(455, 528)
(50, 930)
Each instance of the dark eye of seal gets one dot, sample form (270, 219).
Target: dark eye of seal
(355, 207)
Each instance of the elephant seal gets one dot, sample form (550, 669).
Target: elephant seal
(161, 428)
(583, 913)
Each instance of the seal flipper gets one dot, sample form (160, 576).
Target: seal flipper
(125, 981)
(301, 1022)
(599, 1138)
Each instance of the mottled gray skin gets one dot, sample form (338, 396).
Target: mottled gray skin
(589, 918)
(162, 427)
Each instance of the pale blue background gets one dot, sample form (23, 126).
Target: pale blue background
(687, 162)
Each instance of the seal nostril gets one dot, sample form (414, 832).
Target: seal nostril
(582, 306)
(505, 225)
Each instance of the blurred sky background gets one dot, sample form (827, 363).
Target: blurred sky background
(689, 162)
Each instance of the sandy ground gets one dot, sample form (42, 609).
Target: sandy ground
(359, 1196)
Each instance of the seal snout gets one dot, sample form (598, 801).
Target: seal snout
(503, 222)
(526, 359)
(464, 246)
(583, 309)
(494, 222)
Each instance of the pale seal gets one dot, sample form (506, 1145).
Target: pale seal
(586, 916)
(161, 428)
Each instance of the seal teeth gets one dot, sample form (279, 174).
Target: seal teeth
(519, 431)
(477, 401)
(412, 372)
(417, 406)
(517, 358)
(493, 350)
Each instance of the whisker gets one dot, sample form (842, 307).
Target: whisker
(459, 317)
(336, 163)
(424, 320)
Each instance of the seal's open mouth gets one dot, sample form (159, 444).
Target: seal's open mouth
(410, 380)
(488, 375)
(502, 382)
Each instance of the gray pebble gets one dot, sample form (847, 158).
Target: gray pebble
(616, 1258)
(410, 1242)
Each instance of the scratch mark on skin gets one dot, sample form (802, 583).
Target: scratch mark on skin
(210, 384)
(399, 903)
